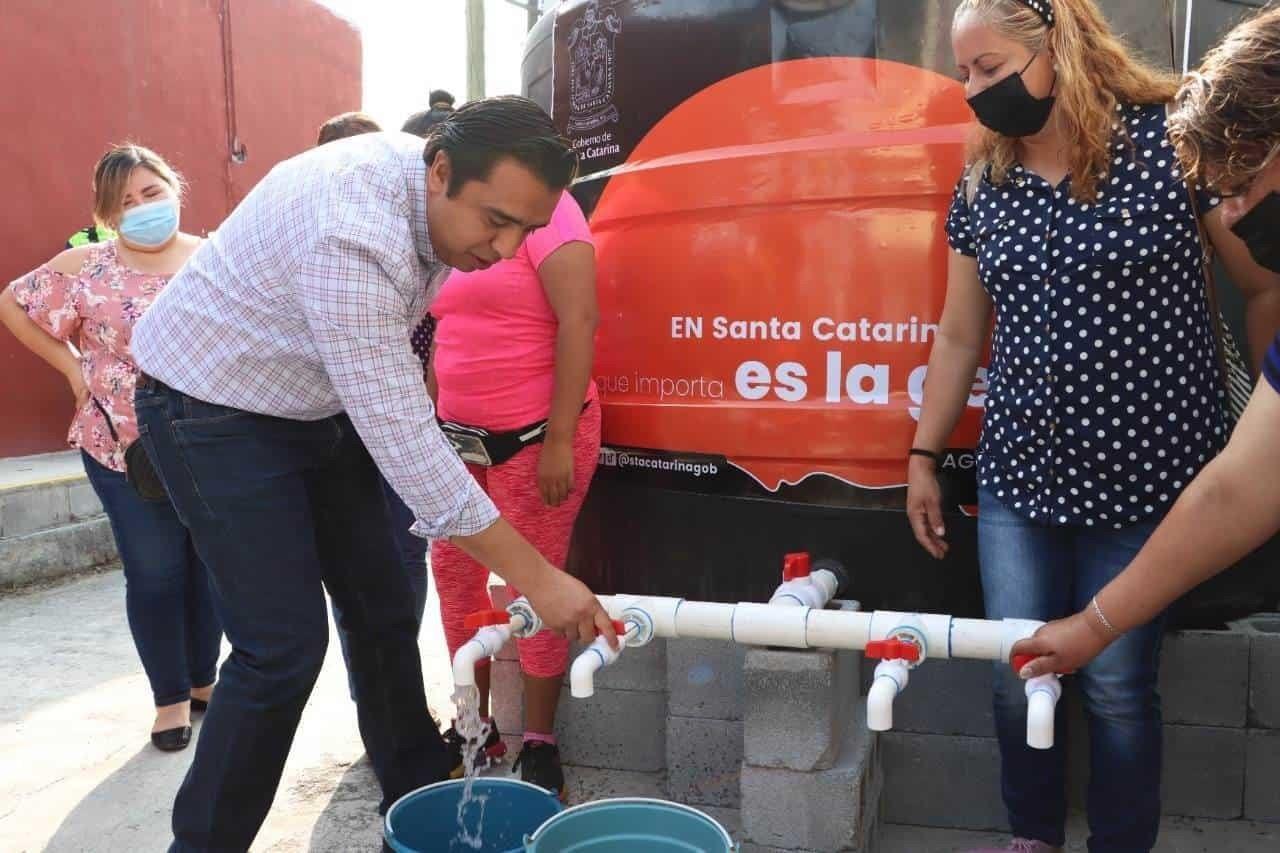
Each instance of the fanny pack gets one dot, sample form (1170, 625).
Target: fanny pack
(138, 470)
(482, 447)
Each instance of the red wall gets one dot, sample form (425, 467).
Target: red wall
(154, 74)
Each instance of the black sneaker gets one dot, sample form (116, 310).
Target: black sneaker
(539, 764)
(492, 752)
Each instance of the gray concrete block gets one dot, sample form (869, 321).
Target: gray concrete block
(942, 780)
(1264, 674)
(704, 678)
(704, 761)
(730, 819)
(1204, 770)
(83, 501)
(1262, 776)
(614, 729)
(833, 809)
(594, 783)
(33, 508)
(58, 552)
(943, 697)
(798, 706)
(1204, 678)
(643, 668)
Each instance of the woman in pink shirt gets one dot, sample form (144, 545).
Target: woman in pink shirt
(93, 295)
(512, 357)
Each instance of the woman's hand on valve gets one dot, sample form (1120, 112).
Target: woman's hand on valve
(1062, 646)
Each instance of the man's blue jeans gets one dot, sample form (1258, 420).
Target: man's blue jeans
(279, 511)
(413, 557)
(1037, 571)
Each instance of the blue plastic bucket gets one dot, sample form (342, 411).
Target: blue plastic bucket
(631, 825)
(426, 820)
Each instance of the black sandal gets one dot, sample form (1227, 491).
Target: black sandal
(172, 740)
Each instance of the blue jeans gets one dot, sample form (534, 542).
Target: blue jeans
(413, 557)
(280, 511)
(1036, 571)
(166, 596)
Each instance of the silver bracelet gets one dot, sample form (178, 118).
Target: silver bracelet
(1106, 623)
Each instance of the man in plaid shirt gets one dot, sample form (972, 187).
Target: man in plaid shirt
(277, 380)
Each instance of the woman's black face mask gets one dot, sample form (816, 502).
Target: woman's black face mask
(1260, 231)
(1009, 109)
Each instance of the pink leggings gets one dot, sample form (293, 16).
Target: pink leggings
(463, 584)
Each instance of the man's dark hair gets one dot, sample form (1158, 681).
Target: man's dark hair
(480, 133)
(440, 99)
(347, 124)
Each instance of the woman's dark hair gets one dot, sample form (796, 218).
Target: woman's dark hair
(440, 99)
(1226, 128)
(480, 133)
(347, 124)
(420, 124)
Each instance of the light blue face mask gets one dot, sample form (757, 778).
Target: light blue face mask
(150, 225)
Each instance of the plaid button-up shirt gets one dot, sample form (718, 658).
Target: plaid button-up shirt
(301, 304)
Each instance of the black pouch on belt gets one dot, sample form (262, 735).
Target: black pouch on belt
(138, 469)
(482, 447)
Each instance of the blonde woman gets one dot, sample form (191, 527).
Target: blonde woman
(93, 295)
(1074, 228)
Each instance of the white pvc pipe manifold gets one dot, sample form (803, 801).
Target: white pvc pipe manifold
(806, 627)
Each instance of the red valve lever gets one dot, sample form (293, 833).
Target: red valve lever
(485, 618)
(893, 650)
(619, 628)
(1019, 661)
(795, 566)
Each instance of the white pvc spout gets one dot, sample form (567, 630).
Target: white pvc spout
(485, 644)
(890, 680)
(1043, 693)
(595, 657)
(583, 672)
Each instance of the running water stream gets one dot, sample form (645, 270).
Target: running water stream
(474, 732)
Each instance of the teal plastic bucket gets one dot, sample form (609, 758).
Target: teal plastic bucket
(426, 820)
(631, 825)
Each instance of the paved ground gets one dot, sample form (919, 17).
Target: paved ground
(77, 772)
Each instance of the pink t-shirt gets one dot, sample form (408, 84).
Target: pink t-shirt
(495, 340)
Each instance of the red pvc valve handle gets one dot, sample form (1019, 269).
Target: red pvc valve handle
(795, 566)
(1019, 661)
(485, 618)
(893, 650)
(619, 628)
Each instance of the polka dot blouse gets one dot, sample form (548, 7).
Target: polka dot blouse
(1104, 399)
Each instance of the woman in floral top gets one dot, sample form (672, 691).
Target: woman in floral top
(92, 295)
